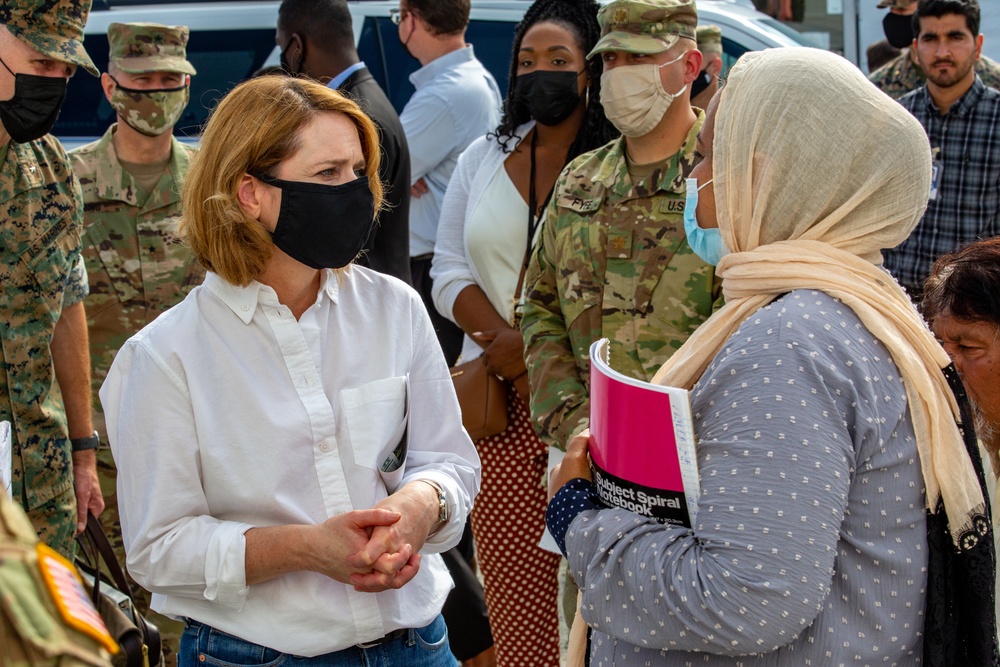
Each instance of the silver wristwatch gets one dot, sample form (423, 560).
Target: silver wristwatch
(442, 500)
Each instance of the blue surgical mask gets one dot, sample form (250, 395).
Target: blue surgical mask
(706, 243)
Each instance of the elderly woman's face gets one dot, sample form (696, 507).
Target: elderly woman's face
(329, 153)
(974, 346)
(706, 213)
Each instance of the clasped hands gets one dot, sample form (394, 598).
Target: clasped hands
(377, 549)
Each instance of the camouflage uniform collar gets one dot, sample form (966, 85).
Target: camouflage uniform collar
(243, 301)
(114, 183)
(21, 160)
(613, 171)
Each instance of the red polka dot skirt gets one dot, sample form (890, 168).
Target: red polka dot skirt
(521, 579)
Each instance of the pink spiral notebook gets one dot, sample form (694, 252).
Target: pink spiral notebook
(641, 444)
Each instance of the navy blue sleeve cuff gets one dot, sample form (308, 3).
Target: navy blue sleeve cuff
(576, 496)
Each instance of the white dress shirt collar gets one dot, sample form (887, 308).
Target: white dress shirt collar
(243, 300)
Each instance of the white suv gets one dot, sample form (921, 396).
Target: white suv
(231, 39)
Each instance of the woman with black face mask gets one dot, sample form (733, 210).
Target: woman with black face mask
(290, 451)
(489, 220)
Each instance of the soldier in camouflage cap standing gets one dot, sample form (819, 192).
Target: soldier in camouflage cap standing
(43, 331)
(706, 85)
(131, 179)
(903, 74)
(613, 259)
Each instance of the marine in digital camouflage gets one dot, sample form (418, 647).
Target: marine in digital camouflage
(40, 230)
(54, 27)
(645, 26)
(612, 262)
(33, 631)
(901, 75)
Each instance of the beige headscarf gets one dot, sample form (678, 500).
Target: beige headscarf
(815, 172)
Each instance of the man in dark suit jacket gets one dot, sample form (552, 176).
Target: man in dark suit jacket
(317, 40)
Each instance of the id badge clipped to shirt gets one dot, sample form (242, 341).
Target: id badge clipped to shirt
(935, 173)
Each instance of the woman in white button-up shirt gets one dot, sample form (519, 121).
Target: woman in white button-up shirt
(259, 425)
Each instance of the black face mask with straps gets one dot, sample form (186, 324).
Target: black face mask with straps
(701, 83)
(33, 110)
(898, 30)
(323, 226)
(550, 97)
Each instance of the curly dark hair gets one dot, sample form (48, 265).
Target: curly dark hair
(580, 18)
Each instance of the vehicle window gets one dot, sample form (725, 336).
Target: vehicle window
(785, 30)
(731, 51)
(380, 49)
(223, 58)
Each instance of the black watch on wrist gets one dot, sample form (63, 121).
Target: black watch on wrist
(83, 444)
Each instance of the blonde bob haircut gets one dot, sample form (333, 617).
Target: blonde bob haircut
(253, 130)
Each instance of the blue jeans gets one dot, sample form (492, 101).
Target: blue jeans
(204, 646)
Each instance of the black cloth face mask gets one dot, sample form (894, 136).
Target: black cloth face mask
(700, 83)
(323, 226)
(898, 30)
(33, 110)
(550, 97)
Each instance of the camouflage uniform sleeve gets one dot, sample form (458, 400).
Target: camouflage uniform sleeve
(559, 400)
(77, 283)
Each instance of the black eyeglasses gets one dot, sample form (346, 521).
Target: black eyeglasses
(397, 15)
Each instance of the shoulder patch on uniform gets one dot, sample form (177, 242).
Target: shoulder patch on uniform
(579, 204)
(66, 588)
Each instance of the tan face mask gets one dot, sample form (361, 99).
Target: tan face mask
(634, 99)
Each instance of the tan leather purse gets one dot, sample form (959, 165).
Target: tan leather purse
(482, 397)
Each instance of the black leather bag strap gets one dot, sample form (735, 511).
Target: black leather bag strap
(102, 548)
(97, 547)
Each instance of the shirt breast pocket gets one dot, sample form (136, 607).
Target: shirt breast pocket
(377, 414)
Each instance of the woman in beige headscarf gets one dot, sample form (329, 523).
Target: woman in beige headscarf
(841, 520)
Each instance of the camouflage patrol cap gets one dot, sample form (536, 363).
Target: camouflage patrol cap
(53, 28)
(137, 48)
(645, 26)
(895, 4)
(710, 39)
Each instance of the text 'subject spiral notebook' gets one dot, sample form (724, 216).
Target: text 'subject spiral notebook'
(641, 444)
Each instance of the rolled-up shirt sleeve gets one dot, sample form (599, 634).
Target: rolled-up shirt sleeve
(174, 546)
(440, 449)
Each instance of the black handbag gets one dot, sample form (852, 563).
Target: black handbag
(138, 638)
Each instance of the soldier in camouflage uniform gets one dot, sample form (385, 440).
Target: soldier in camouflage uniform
(42, 281)
(613, 260)
(902, 74)
(131, 180)
(706, 85)
(42, 625)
